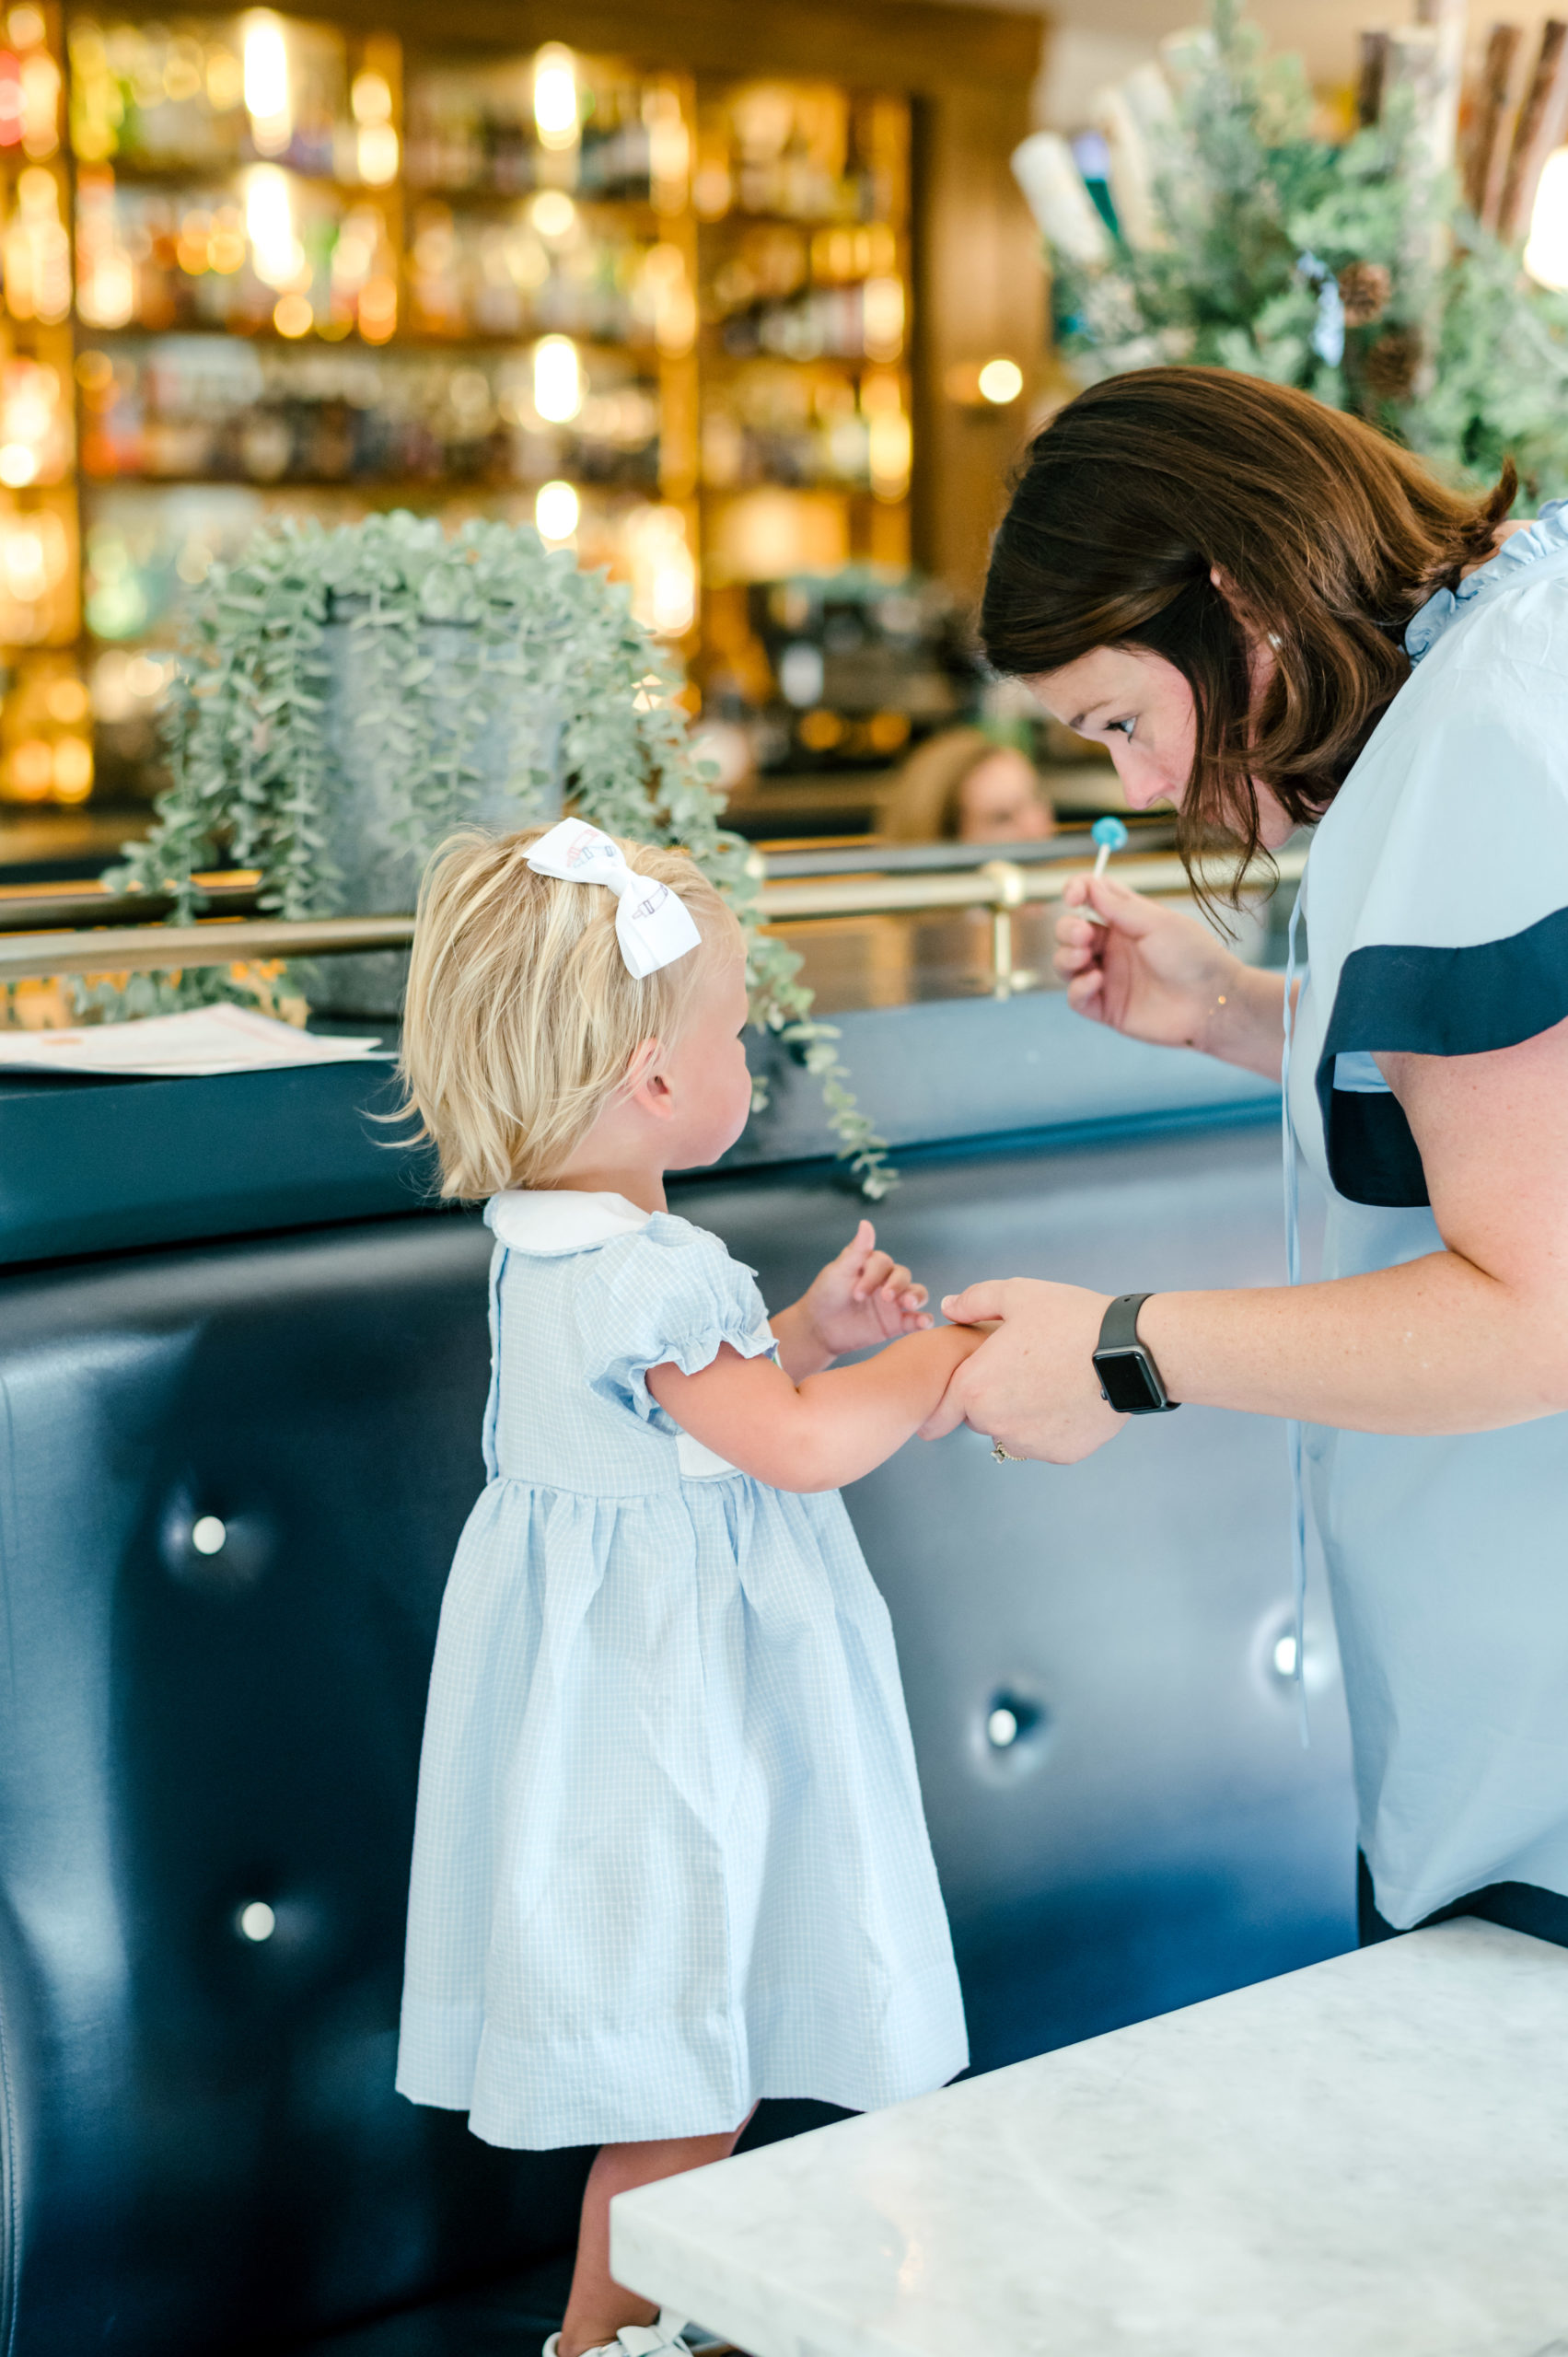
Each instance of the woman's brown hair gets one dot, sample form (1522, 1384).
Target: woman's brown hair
(1328, 537)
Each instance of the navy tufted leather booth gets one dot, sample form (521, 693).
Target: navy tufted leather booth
(202, 2149)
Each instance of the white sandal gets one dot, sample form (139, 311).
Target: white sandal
(663, 2339)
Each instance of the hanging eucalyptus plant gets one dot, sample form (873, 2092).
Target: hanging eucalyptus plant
(386, 674)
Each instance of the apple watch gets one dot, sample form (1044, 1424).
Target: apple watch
(1129, 1378)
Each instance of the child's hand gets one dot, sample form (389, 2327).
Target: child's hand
(864, 1296)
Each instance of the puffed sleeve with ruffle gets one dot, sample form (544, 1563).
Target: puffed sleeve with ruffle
(670, 1296)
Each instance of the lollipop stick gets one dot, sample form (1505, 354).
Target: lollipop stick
(1110, 835)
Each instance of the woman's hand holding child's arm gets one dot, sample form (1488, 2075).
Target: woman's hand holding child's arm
(861, 1298)
(830, 1428)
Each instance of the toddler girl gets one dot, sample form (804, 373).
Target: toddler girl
(669, 1856)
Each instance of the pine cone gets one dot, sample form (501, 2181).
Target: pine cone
(1393, 363)
(1364, 289)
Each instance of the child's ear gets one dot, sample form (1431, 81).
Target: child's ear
(646, 1087)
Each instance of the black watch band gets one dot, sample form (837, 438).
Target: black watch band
(1129, 1378)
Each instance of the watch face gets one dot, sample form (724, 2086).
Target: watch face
(1129, 1382)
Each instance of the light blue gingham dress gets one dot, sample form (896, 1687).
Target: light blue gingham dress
(669, 1854)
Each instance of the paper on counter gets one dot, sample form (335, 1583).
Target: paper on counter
(206, 1042)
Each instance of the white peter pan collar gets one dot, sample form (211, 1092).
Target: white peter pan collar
(559, 1219)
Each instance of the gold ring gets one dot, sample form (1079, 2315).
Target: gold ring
(1004, 1456)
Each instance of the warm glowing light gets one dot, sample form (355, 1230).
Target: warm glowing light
(552, 212)
(675, 305)
(226, 81)
(664, 575)
(18, 465)
(557, 379)
(888, 452)
(375, 152)
(107, 297)
(882, 315)
(267, 99)
(41, 102)
(1546, 254)
(669, 150)
(32, 769)
(376, 142)
(555, 96)
(1001, 381)
(556, 511)
(32, 555)
(371, 99)
(66, 699)
(293, 316)
(269, 224)
(73, 770)
(377, 309)
(37, 251)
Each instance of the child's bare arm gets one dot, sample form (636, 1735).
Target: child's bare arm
(829, 1430)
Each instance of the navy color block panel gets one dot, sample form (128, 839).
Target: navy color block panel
(1409, 998)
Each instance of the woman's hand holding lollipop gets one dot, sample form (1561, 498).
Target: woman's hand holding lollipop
(1159, 974)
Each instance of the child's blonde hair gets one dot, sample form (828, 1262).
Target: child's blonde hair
(521, 1019)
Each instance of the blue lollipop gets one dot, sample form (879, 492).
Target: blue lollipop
(1110, 835)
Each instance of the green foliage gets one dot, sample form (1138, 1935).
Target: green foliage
(1340, 268)
(254, 769)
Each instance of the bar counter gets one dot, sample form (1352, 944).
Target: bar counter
(90, 1165)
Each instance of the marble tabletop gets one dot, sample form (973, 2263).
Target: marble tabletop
(1366, 2159)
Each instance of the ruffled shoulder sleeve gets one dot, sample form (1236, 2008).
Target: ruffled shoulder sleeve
(669, 1295)
(1438, 889)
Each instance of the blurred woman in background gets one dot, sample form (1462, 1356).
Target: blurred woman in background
(963, 786)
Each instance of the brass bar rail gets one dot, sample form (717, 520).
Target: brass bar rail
(221, 941)
(1001, 886)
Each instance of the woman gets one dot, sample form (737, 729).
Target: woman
(963, 786)
(1270, 615)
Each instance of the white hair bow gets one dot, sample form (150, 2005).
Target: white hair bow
(653, 924)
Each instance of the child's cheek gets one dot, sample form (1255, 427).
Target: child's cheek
(741, 1095)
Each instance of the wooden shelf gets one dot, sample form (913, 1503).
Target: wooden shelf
(405, 340)
(128, 173)
(405, 487)
(444, 193)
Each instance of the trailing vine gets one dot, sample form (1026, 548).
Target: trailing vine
(249, 733)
